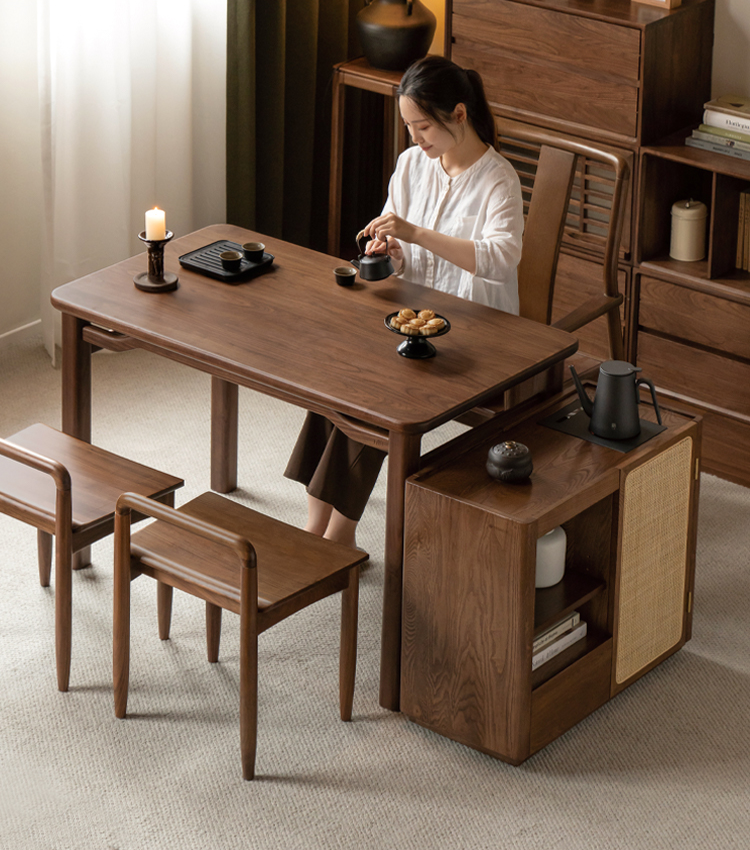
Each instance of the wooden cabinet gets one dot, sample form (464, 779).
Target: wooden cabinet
(692, 320)
(601, 69)
(471, 611)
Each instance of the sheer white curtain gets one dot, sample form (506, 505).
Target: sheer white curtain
(132, 101)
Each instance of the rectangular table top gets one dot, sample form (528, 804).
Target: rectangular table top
(295, 333)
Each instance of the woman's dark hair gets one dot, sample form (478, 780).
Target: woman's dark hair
(437, 85)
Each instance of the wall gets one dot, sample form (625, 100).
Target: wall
(20, 179)
(731, 71)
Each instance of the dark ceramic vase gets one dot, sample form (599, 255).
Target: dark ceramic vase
(395, 33)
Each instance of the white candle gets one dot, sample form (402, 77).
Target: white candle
(156, 227)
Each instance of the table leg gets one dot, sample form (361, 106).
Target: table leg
(76, 379)
(224, 396)
(403, 461)
(337, 165)
(76, 397)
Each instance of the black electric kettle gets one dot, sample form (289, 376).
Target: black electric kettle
(372, 266)
(614, 411)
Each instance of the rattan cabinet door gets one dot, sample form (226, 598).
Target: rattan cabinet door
(656, 507)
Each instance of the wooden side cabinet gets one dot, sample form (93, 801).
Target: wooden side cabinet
(471, 610)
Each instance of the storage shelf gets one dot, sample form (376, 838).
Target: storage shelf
(568, 656)
(674, 148)
(554, 603)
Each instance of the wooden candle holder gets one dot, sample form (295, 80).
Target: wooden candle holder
(156, 280)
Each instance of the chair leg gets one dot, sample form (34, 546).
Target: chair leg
(121, 624)
(248, 703)
(348, 647)
(63, 609)
(44, 556)
(213, 631)
(82, 558)
(164, 608)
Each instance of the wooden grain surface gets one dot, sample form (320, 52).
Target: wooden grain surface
(695, 316)
(294, 333)
(289, 561)
(98, 477)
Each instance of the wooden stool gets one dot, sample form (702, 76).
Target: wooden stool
(204, 549)
(77, 506)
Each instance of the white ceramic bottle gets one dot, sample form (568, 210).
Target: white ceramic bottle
(550, 557)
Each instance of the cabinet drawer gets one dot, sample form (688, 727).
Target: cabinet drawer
(694, 373)
(544, 62)
(695, 316)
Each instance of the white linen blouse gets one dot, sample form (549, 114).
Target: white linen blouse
(483, 203)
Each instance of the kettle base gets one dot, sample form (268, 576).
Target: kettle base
(572, 420)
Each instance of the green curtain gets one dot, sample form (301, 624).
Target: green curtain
(280, 58)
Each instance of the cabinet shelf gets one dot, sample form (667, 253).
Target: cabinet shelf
(564, 659)
(554, 603)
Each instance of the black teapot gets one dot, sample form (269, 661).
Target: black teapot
(509, 461)
(372, 266)
(614, 411)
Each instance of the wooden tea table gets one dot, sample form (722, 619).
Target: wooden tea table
(293, 334)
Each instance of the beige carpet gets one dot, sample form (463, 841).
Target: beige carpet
(664, 765)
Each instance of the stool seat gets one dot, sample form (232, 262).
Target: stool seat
(237, 559)
(68, 489)
(291, 563)
(98, 477)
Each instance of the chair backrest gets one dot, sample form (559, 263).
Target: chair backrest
(550, 180)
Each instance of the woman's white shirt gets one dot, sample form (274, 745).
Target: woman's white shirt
(483, 203)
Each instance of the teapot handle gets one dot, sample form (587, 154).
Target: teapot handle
(360, 235)
(650, 385)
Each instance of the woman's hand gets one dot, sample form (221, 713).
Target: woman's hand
(390, 225)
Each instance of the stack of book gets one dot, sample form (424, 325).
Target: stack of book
(556, 638)
(725, 128)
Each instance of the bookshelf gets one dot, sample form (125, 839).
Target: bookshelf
(692, 319)
(471, 611)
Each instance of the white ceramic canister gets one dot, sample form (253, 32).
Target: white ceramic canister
(688, 240)
(550, 557)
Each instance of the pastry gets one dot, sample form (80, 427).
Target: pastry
(410, 323)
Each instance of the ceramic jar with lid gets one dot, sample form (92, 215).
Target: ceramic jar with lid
(688, 242)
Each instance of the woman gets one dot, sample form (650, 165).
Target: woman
(453, 221)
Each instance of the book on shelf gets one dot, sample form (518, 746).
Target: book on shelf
(714, 148)
(730, 111)
(557, 646)
(746, 241)
(733, 104)
(726, 134)
(722, 140)
(555, 630)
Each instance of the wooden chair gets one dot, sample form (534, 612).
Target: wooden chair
(67, 488)
(548, 182)
(205, 549)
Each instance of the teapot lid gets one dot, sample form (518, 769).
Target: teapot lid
(618, 368)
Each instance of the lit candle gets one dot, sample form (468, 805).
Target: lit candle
(156, 227)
